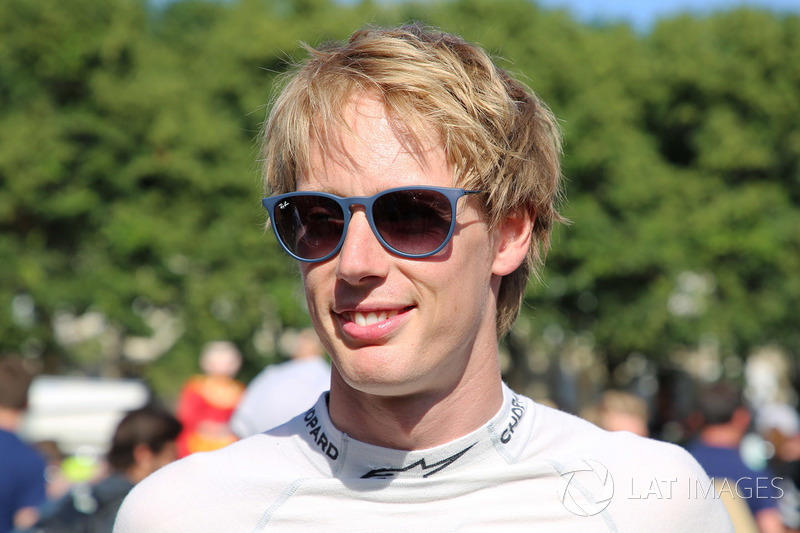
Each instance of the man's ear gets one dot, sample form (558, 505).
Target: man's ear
(513, 242)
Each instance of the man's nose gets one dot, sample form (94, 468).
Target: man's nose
(362, 256)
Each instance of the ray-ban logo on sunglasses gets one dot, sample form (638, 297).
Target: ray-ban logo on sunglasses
(283, 205)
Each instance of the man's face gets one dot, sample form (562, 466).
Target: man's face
(395, 326)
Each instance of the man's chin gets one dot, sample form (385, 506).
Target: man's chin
(386, 386)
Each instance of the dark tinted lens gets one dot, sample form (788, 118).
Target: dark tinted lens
(413, 222)
(309, 226)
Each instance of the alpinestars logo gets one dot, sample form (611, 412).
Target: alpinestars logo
(438, 466)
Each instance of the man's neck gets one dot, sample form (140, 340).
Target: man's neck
(417, 421)
(721, 436)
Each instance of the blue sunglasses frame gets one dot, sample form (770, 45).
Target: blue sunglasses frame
(452, 194)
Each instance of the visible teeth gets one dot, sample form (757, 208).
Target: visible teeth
(372, 318)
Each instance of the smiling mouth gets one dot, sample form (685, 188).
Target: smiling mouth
(373, 317)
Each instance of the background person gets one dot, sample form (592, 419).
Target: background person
(207, 401)
(619, 411)
(779, 425)
(22, 468)
(143, 442)
(726, 420)
(416, 184)
(282, 391)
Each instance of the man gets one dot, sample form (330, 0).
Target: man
(22, 481)
(143, 442)
(282, 391)
(725, 423)
(415, 183)
(779, 426)
(618, 410)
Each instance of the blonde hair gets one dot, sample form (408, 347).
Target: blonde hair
(497, 135)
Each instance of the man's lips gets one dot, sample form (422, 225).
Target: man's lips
(371, 317)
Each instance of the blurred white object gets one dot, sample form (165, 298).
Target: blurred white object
(279, 393)
(78, 412)
(780, 416)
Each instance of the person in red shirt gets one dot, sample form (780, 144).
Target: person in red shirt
(208, 400)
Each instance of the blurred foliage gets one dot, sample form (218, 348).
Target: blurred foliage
(130, 218)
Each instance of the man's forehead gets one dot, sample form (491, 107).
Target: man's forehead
(369, 132)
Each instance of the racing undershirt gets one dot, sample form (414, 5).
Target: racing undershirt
(529, 467)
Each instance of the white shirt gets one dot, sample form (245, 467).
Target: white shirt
(530, 468)
(279, 393)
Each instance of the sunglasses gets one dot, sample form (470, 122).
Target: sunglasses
(411, 222)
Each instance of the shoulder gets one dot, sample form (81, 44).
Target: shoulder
(202, 492)
(561, 434)
(563, 437)
(657, 486)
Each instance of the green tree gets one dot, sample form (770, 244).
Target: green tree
(131, 230)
